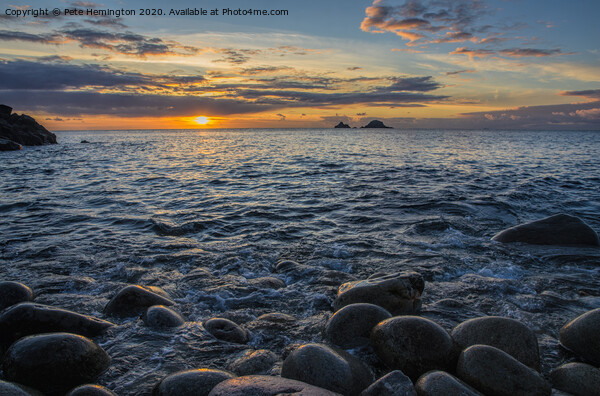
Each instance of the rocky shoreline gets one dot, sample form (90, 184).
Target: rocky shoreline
(51, 350)
(21, 130)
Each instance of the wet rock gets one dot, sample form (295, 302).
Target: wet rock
(12, 389)
(159, 316)
(578, 379)
(254, 362)
(392, 384)
(496, 373)
(342, 125)
(351, 326)
(31, 318)
(506, 334)
(435, 383)
(90, 390)
(288, 266)
(12, 293)
(560, 229)
(276, 317)
(226, 330)
(267, 282)
(9, 145)
(322, 366)
(412, 344)
(134, 300)
(191, 382)
(23, 129)
(399, 293)
(54, 363)
(582, 336)
(264, 385)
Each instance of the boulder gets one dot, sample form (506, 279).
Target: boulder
(264, 385)
(9, 145)
(11, 389)
(134, 300)
(412, 344)
(254, 362)
(435, 383)
(159, 316)
(399, 293)
(342, 125)
(55, 362)
(90, 390)
(12, 293)
(582, 336)
(496, 373)
(506, 334)
(375, 124)
(191, 382)
(578, 379)
(351, 326)
(392, 384)
(31, 318)
(560, 229)
(325, 367)
(23, 129)
(226, 330)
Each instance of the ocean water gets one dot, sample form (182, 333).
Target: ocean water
(203, 213)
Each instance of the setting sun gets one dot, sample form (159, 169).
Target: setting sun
(202, 120)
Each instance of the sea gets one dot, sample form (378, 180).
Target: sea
(203, 213)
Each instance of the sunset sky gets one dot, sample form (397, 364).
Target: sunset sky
(497, 64)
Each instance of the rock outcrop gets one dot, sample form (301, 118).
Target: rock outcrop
(376, 124)
(16, 130)
(342, 125)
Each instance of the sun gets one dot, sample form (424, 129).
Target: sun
(202, 120)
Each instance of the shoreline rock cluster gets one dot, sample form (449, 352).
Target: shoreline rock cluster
(49, 350)
(21, 130)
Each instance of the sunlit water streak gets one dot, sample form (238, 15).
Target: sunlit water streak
(79, 221)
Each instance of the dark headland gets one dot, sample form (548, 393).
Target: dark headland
(21, 130)
(372, 124)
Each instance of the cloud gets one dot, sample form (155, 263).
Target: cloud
(512, 52)
(590, 114)
(252, 71)
(589, 93)
(453, 73)
(10, 35)
(471, 53)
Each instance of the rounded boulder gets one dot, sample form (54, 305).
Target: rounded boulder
(54, 363)
(12, 293)
(10, 389)
(90, 390)
(264, 385)
(159, 316)
(412, 344)
(582, 336)
(191, 382)
(391, 384)
(254, 362)
(322, 366)
(578, 379)
(226, 330)
(351, 326)
(509, 335)
(436, 383)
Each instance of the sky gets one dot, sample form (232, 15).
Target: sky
(459, 64)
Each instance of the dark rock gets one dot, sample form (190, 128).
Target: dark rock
(277, 317)
(12, 293)
(54, 362)
(328, 368)
(31, 318)
(159, 316)
(254, 362)
(12, 389)
(392, 384)
(496, 373)
(191, 382)
(84, 141)
(264, 385)
(375, 124)
(506, 334)
(436, 383)
(23, 129)
(90, 390)
(226, 330)
(134, 300)
(342, 125)
(579, 379)
(351, 326)
(399, 293)
(560, 229)
(267, 282)
(288, 266)
(9, 145)
(412, 344)
(582, 336)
